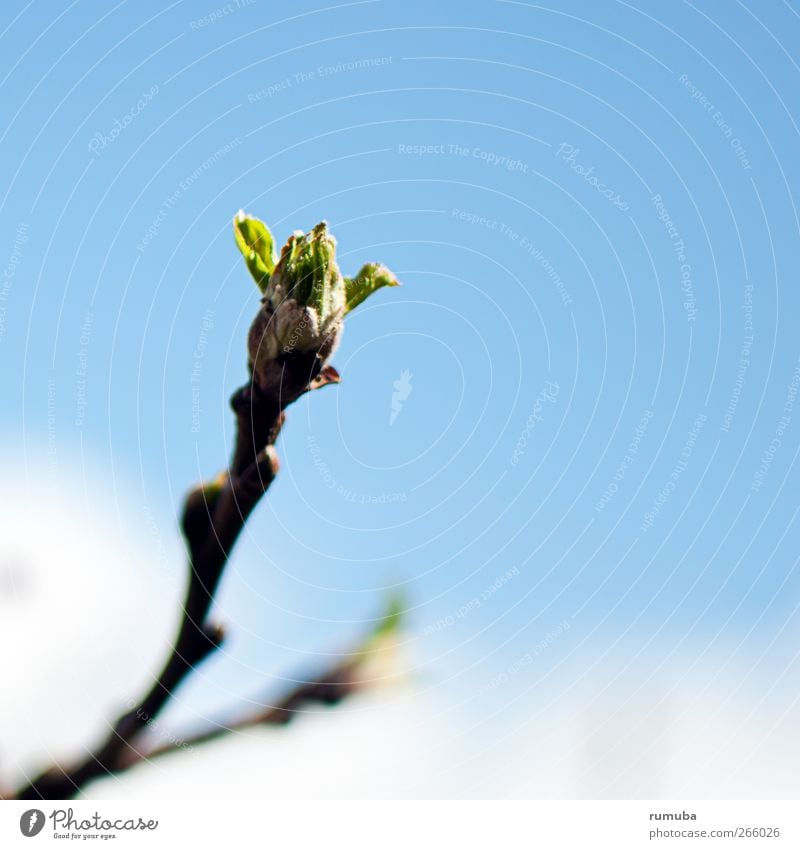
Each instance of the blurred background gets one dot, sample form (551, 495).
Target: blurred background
(569, 440)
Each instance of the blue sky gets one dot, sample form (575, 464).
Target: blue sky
(592, 210)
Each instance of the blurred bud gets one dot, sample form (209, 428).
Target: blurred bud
(379, 659)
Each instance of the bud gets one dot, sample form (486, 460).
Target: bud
(305, 295)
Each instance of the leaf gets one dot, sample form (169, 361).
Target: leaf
(373, 276)
(376, 658)
(393, 616)
(255, 242)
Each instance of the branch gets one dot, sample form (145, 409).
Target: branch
(214, 515)
(305, 299)
(336, 684)
(330, 689)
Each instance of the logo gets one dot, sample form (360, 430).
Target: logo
(402, 389)
(31, 822)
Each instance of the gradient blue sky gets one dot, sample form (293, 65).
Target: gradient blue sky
(529, 118)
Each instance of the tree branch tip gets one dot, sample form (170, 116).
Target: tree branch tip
(328, 375)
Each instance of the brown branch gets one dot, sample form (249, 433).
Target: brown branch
(297, 328)
(214, 515)
(342, 680)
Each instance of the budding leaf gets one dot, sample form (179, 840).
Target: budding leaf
(393, 617)
(307, 273)
(373, 276)
(305, 296)
(255, 242)
(376, 657)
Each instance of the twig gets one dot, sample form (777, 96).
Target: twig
(214, 515)
(305, 299)
(330, 688)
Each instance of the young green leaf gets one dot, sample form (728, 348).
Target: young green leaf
(394, 615)
(373, 276)
(255, 242)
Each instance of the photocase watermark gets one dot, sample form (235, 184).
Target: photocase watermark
(219, 14)
(476, 219)
(155, 726)
(82, 369)
(319, 73)
(689, 301)
(776, 441)
(100, 141)
(206, 326)
(473, 604)
(536, 253)
(627, 461)
(548, 395)
(169, 203)
(680, 467)
(65, 825)
(10, 271)
(569, 154)
(744, 360)
(523, 242)
(719, 119)
(342, 491)
(402, 390)
(31, 822)
(496, 160)
(529, 658)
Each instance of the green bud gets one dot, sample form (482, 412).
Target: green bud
(305, 295)
(307, 273)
